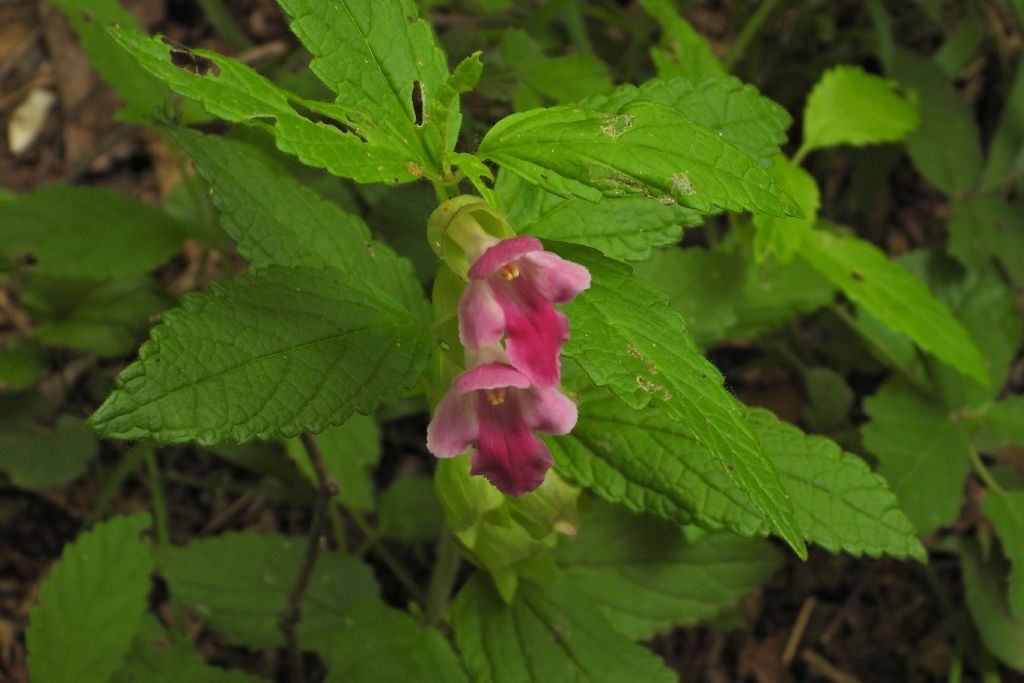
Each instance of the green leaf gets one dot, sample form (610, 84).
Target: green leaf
(840, 503)
(985, 227)
(409, 511)
(1007, 417)
(548, 633)
(233, 91)
(37, 458)
(849, 106)
(650, 464)
(350, 452)
(561, 79)
(647, 579)
(142, 94)
(627, 228)
(1001, 632)
(645, 149)
(371, 54)
(274, 219)
(444, 107)
(893, 295)
(946, 147)
(1007, 514)
(740, 115)
(380, 645)
(283, 350)
(783, 236)
(921, 452)
(107, 317)
(91, 604)
(683, 51)
(86, 232)
(157, 657)
(22, 363)
(626, 337)
(703, 285)
(775, 293)
(238, 582)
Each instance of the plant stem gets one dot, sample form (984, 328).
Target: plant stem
(289, 619)
(982, 471)
(156, 492)
(129, 461)
(380, 550)
(880, 352)
(441, 581)
(748, 32)
(800, 154)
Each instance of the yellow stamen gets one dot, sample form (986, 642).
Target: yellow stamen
(511, 271)
(495, 396)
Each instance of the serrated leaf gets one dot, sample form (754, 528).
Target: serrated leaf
(626, 337)
(349, 451)
(840, 503)
(849, 106)
(647, 579)
(276, 220)
(921, 451)
(650, 464)
(443, 108)
(946, 147)
(91, 604)
(548, 633)
(282, 350)
(984, 582)
(157, 657)
(1007, 417)
(107, 317)
(645, 150)
(378, 644)
(627, 228)
(892, 294)
(142, 94)
(238, 582)
(370, 53)
(86, 232)
(703, 285)
(235, 92)
(1006, 510)
(683, 51)
(740, 115)
(782, 237)
(1006, 147)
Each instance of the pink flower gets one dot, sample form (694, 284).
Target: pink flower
(512, 286)
(496, 407)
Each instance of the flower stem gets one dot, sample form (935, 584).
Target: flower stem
(380, 550)
(156, 493)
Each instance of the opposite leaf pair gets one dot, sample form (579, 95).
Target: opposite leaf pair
(509, 391)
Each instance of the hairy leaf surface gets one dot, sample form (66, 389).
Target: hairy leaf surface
(266, 355)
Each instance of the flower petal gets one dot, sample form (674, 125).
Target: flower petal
(549, 411)
(454, 426)
(481, 319)
(490, 376)
(558, 280)
(536, 332)
(507, 452)
(501, 253)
